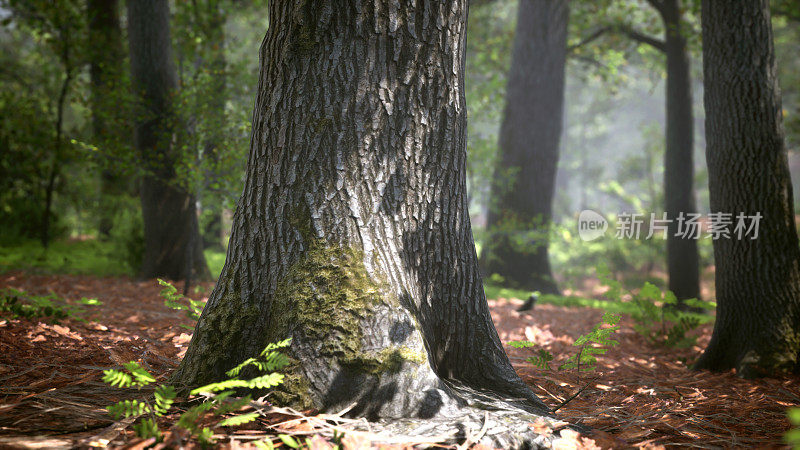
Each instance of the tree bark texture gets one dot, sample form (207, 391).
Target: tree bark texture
(352, 235)
(169, 212)
(105, 70)
(524, 181)
(757, 280)
(683, 261)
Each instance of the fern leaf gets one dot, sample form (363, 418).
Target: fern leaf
(235, 371)
(276, 346)
(264, 445)
(147, 428)
(238, 420)
(265, 381)
(233, 405)
(206, 436)
(165, 397)
(128, 408)
(117, 378)
(142, 377)
(521, 344)
(220, 386)
(289, 441)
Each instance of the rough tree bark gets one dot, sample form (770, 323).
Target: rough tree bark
(683, 260)
(352, 235)
(105, 69)
(524, 181)
(169, 212)
(758, 280)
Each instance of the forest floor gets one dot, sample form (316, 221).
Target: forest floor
(52, 396)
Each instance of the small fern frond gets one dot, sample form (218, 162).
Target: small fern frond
(117, 378)
(128, 408)
(220, 386)
(265, 381)
(240, 419)
(165, 397)
(521, 344)
(147, 428)
(140, 375)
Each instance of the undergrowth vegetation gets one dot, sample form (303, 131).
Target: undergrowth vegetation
(84, 257)
(20, 304)
(215, 405)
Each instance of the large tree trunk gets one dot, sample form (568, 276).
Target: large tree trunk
(105, 70)
(352, 235)
(520, 208)
(683, 262)
(172, 248)
(758, 280)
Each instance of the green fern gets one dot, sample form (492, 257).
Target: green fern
(128, 408)
(240, 419)
(174, 300)
(165, 397)
(542, 359)
(147, 428)
(117, 378)
(219, 395)
(792, 437)
(521, 344)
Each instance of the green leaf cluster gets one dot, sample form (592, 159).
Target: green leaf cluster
(20, 304)
(218, 397)
(174, 300)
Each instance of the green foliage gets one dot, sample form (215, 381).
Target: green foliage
(74, 257)
(596, 342)
(218, 398)
(147, 428)
(658, 316)
(792, 437)
(174, 300)
(269, 360)
(215, 260)
(601, 337)
(18, 303)
(127, 233)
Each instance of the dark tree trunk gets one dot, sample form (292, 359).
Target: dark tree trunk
(758, 280)
(352, 235)
(683, 263)
(215, 34)
(524, 181)
(105, 69)
(169, 212)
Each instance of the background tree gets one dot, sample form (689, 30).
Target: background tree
(683, 266)
(172, 247)
(352, 235)
(106, 64)
(520, 206)
(757, 280)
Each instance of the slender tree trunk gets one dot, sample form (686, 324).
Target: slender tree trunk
(105, 70)
(212, 231)
(55, 167)
(524, 181)
(683, 262)
(352, 235)
(168, 211)
(757, 280)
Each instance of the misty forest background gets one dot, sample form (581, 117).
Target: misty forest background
(610, 97)
(74, 189)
